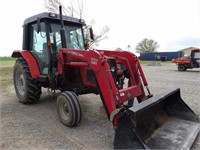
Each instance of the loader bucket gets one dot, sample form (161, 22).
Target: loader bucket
(162, 122)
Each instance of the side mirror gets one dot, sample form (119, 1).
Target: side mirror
(38, 25)
(91, 33)
(89, 36)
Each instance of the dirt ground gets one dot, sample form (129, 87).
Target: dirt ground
(37, 126)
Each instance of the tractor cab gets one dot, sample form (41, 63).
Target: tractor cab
(42, 37)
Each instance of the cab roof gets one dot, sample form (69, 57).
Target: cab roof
(53, 16)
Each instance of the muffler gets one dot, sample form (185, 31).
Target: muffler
(164, 121)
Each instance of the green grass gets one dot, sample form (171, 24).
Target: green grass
(6, 71)
(7, 59)
(150, 61)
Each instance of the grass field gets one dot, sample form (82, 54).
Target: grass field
(6, 70)
(6, 59)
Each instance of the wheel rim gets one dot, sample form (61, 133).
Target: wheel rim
(64, 110)
(20, 82)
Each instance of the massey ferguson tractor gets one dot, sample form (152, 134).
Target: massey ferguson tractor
(55, 56)
(189, 62)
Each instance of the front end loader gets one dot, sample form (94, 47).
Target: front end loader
(55, 56)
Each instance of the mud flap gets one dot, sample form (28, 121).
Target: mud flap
(162, 122)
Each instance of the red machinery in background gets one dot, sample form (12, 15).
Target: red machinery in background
(188, 62)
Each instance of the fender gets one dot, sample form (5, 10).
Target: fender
(32, 64)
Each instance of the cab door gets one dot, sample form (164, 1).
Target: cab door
(39, 48)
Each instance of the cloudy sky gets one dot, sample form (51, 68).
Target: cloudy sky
(174, 24)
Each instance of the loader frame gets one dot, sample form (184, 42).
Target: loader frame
(104, 77)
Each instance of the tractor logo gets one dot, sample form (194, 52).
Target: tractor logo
(75, 53)
(94, 61)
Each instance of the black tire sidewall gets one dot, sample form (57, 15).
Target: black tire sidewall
(74, 109)
(19, 67)
(182, 67)
(63, 99)
(32, 89)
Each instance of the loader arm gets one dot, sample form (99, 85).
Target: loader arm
(98, 60)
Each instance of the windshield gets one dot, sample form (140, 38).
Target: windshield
(74, 36)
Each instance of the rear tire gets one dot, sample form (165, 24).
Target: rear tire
(181, 67)
(68, 109)
(26, 88)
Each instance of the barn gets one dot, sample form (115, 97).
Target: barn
(163, 56)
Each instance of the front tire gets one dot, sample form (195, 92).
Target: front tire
(181, 67)
(68, 109)
(26, 88)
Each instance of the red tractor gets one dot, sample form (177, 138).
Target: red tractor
(55, 56)
(189, 62)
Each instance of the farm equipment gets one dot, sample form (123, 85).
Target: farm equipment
(55, 56)
(189, 62)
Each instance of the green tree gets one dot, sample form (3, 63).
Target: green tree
(147, 45)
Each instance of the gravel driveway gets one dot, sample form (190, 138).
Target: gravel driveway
(37, 126)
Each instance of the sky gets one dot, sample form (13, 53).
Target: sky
(174, 24)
